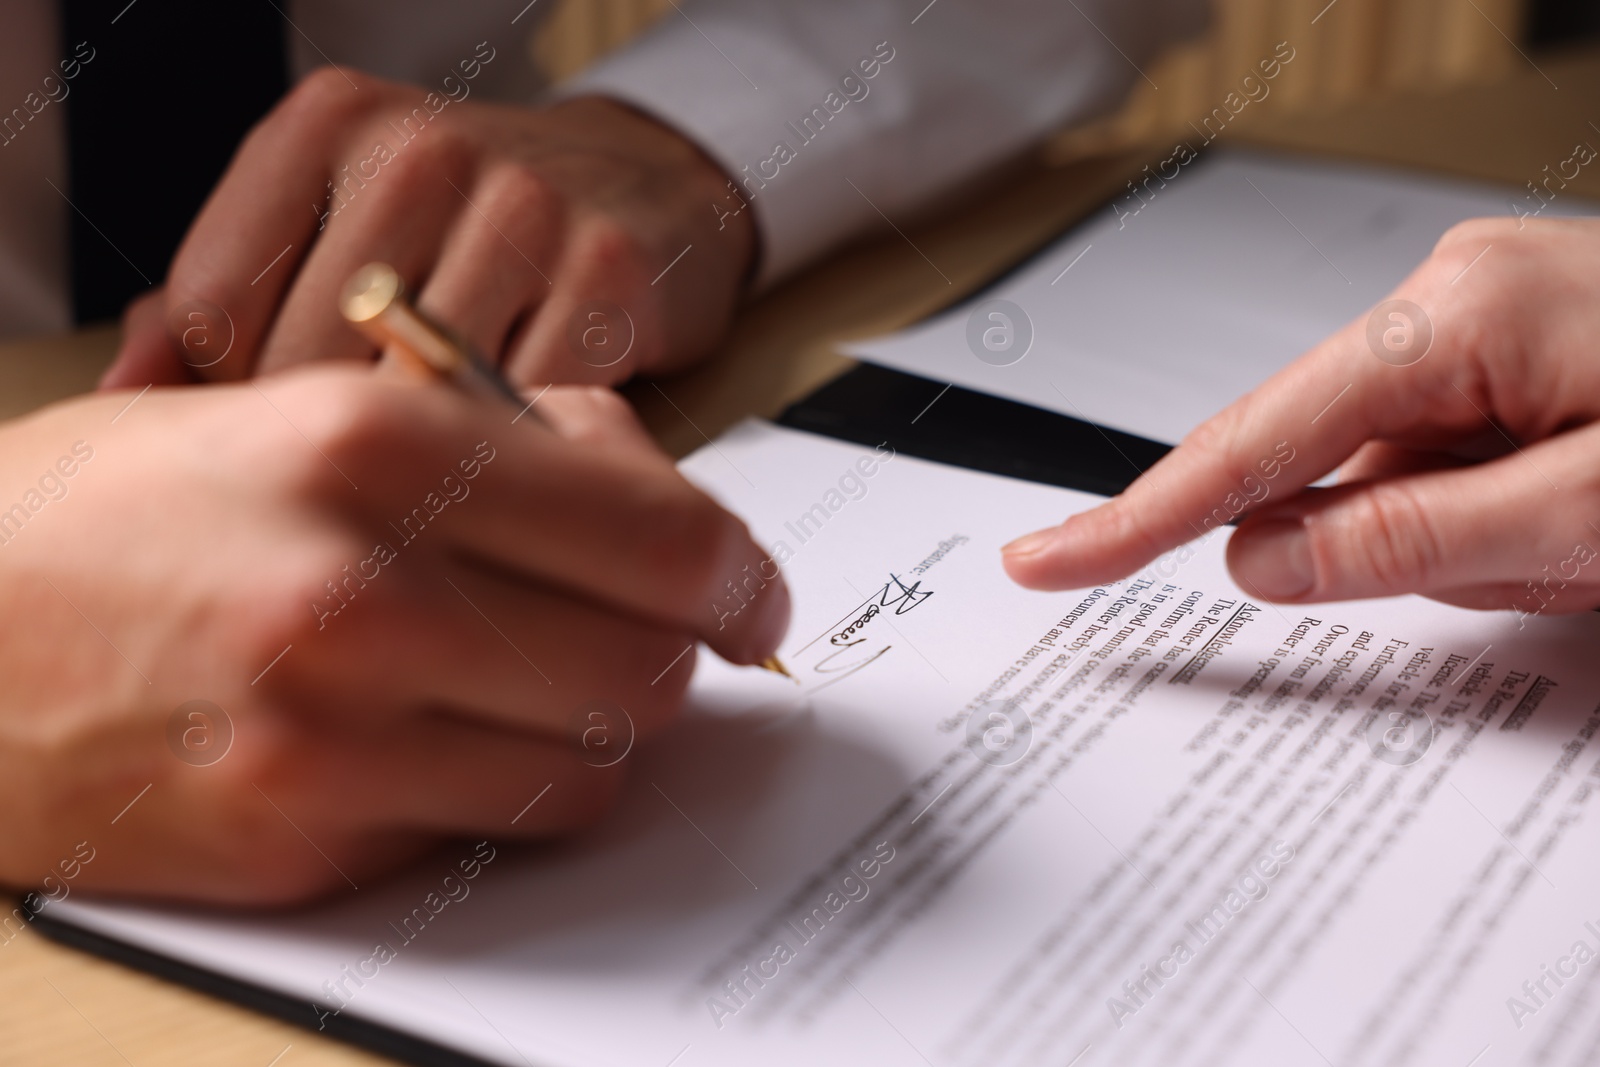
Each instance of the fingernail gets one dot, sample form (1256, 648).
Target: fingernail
(1028, 544)
(1276, 559)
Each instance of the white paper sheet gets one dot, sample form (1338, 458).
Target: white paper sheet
(1014, 905)
(1152, 318)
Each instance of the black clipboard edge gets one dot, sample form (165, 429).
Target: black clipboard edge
(370, 1036)
(948, 424)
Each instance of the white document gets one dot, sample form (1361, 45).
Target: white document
(1164, 307)
(1153, 823)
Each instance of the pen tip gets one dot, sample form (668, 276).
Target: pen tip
(775, 665)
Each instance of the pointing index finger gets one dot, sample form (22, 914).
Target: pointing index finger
(1293, 429)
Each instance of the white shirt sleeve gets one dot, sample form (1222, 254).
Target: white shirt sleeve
(830, 112)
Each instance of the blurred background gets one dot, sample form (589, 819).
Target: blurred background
(1373, 48)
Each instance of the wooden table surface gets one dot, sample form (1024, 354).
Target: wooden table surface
(58, 1006)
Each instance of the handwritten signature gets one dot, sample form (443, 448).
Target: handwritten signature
(842, 638)
(895, 594)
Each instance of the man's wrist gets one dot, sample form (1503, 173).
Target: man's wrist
(699, 176)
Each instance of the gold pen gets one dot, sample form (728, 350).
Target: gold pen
(374, 302)
(775, 665)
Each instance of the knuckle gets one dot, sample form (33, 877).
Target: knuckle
(594, 413)
(1488, 258)
(520, 194)
(254, 850)
(326, 93)
(1219, 437)
(1123, 525)
(611, 249)
(144, 309)
(604, 402)
(1469, 236)
(1207, 438)
(264, 755)
(420, 165)
(325, 83)
(346, 419)
(1478, 284)
(297, 473)
(351, 595)
(1387, 536)
(279, 607)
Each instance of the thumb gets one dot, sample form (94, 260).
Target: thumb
(1432, 533)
